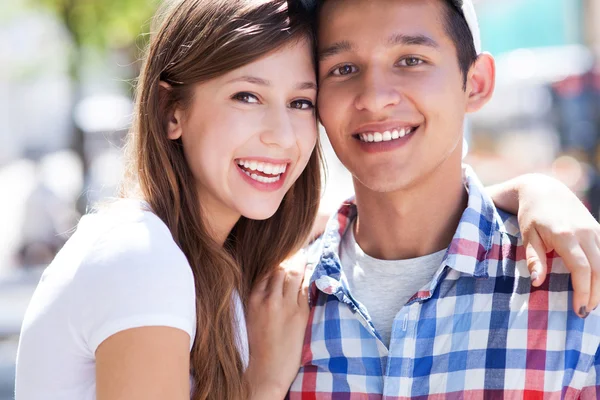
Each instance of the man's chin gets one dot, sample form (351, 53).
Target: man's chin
(387, 181)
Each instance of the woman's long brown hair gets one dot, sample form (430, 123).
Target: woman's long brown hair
(194, 41)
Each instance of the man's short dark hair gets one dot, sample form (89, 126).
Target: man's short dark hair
(458, 30)
(456, 27)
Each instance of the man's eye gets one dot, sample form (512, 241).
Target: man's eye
(411, 61)
(245, 97)
(343, 70)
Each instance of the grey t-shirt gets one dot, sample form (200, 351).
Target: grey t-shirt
(384, 286)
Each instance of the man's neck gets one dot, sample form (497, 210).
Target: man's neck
(413, 222)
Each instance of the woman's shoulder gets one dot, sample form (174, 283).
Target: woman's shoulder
(126, 238)
(132, 273)
(128, 226)
(122, 245)
(121, 269)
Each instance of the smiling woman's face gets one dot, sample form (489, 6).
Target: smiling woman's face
(248, 134)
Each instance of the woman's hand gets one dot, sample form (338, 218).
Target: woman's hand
(551, 218)
(277, 316)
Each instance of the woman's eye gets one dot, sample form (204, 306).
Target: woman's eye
(302, 105)
(245, 97)
(344, 70)
(411, 61)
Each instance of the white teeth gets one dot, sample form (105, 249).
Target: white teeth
(267, 168)
(385, 136)
(275, 170)
(262, 179)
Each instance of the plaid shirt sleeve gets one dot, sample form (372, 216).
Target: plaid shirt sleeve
(591, 388)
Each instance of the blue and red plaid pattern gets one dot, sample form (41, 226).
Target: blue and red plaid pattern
(478, 330)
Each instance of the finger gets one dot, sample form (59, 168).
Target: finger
(295, 267)
(261, 287)
(275, 287)
(292, 285)
(577, 263)
(297, 262)
(258, 294)
(305, 286)
(592, 252)
(535, 254)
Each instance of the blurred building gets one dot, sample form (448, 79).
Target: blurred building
(545, 113)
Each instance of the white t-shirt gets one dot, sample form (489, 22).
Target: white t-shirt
(120, 270)
(384, 286)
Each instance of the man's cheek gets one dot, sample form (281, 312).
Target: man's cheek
(327, 112)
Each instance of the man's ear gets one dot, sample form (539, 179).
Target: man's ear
(481, 82)
(173, 114)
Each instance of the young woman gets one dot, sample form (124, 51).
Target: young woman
(175, 290)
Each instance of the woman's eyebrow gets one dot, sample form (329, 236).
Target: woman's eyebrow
(251, 79)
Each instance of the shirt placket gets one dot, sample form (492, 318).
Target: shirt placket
(397, 383)
(345, 298)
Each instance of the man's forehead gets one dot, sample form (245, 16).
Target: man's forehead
(334, 12)
(410, 22)
(330, 12)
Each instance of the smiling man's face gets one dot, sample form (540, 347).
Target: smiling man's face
(391, 90)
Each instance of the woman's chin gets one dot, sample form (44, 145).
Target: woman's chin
(259, 213)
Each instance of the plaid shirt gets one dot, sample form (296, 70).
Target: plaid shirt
(477, 330)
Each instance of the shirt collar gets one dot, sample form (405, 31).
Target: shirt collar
(469, 252)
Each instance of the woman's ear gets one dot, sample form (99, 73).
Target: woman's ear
(173, 114)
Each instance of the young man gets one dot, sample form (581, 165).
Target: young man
(396, 80)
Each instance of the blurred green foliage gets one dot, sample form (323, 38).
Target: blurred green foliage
(103, 23)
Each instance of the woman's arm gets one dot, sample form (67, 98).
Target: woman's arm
(551, 218)
(144, 364)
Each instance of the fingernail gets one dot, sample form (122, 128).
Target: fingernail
(534, 275)
(583, 312)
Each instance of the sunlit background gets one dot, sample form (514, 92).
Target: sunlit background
(67, 70)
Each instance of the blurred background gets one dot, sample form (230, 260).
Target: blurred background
(67, 72)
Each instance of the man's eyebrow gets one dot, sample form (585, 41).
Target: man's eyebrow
(251, 79)
(412, 40)
(336, 48)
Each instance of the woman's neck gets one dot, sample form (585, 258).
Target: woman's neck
(218, 219)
